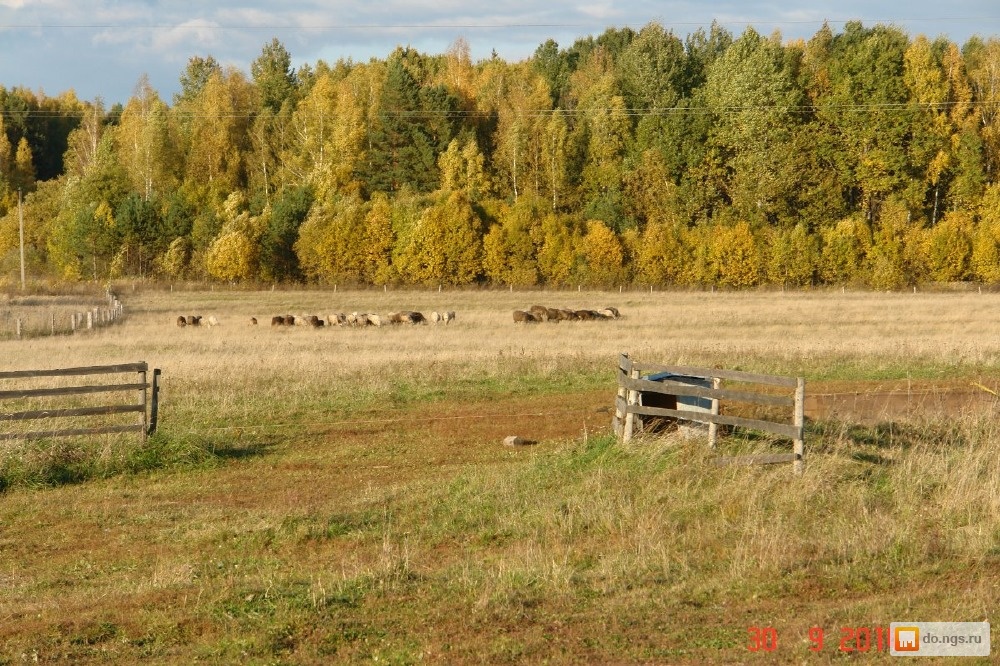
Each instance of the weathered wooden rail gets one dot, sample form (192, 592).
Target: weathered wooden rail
(145, 406)
(634, 384)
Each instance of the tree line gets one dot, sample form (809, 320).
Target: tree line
(635, 157)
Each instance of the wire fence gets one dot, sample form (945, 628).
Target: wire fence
(38, 316)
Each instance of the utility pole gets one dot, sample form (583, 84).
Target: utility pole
(20, 219)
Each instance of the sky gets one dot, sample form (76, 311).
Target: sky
(102, 48)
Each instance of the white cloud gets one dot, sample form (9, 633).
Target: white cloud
(196, 35)
(603, 11)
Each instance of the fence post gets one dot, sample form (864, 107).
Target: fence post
(799, 421)
(632, 398)
(713, 428)
(618, 422)
(154, 405)
(143, 396)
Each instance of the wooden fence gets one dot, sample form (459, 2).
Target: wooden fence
(75, 405)
(705, 385)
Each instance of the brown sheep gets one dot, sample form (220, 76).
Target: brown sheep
(289, 320)
(522, 317)
(194, 320)
(181, 321)
(553, 314)
(411, 317)
(568, 315)
(277, 320)
(540, 311)
(253, 321)
(394, 318)
(586, 315)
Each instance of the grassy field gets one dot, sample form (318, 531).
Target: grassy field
(343, 495)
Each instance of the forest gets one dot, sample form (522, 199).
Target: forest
(862, 157)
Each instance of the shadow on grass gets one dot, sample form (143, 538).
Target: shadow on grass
(829, 435)
(53, 463)
(243, 450)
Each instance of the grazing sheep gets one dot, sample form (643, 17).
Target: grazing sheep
(448, 316)
(375, 320)
(253, 321)
(522, 317)
(181, 321)
(435, 317)
(212, 321)
(289, 320)
(411, 317)
(608, 313)
(568, 315)
(394, 318)
(540, 311)
(277, 320)
(194, 320)
(338, 319)
(587, 315)
(553, 314)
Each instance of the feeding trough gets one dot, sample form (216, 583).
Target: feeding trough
(652, 398)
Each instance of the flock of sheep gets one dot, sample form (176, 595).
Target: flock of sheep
(195, 320)
(538, 313)
(338, 319)
(361, 319)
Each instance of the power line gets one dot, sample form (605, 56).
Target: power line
(902, 107)
(211, 25)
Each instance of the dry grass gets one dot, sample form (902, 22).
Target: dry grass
(341, 495)
(817, 331)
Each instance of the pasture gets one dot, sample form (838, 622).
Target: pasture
(338, 494)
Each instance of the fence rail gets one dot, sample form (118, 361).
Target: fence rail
(146, 405)
(705, 385)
